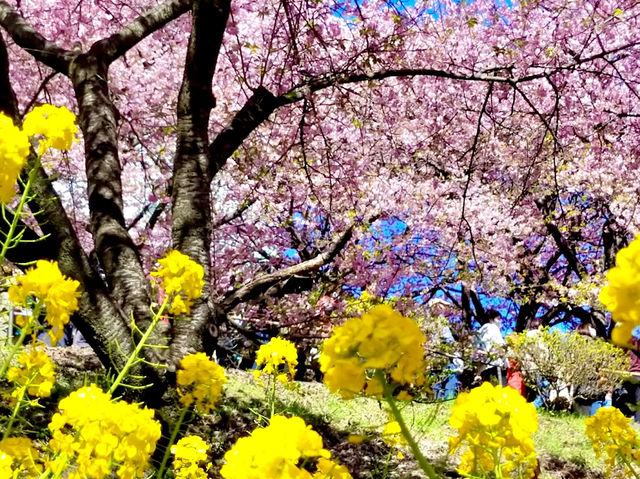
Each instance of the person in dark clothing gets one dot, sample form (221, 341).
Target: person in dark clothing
(627, 397)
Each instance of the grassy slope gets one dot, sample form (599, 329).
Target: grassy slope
(560, 441)
(564, 450)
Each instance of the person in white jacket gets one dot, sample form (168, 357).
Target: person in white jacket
(489, 351)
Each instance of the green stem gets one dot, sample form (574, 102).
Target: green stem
(14, 414)
(62, 469)
(273, 394)
(627, 463)
(133, 357)
(496, 460)
(24, 332)
(413, 445)
(12, 352)
(44, 474)
(174, 434)
(386, 465)
(48, 472)
(6, 244)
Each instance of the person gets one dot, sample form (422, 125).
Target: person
(488, 345)
(606, 399)
(542, 386)
(449, 386)
(627, 397)
(515, 379)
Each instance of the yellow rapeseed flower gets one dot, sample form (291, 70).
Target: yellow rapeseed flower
(24, 455)
(275, 452)
(612, 436)
(6, 465)
(380, 340)
(327, 469)
(59, 294)
(200, 381)
(35, 372)
(92, 435)
(182, 279)
(14, 151)
(622, 295)
(497, 423)
(189, 452)
(279, 357)
(392, 434)
(56, 125)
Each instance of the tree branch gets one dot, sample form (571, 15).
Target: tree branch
(563, 246)
(614, 238)
(256, 110)
(579, 61)
(263, 282)
(114, 247)
(191, 189)
(228, 218)
(262, 103)
(8, 102)
(99, 319)
(116, 45)
(33, 42)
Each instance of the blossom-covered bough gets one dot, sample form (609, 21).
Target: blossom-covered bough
(485, 130)
(305, 146)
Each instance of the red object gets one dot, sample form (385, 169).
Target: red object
(515, 380)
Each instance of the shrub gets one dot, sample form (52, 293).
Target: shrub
(575, 366)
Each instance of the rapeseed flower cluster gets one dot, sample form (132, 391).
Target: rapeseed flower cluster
(392, 434)
(380, 340)
(14, 151)
(58, 294)
(497, 424)
(612, 436)
(93, 434)
(24, 459)
(276, 452)
(182, 281)
(188, 453)
(35, 371)
(6, 465)
(327, 469)
(200, 381)
(622, 295)
(279, 358)
(55, 125)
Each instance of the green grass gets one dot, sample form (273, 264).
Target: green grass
(562, 446)
(561, 435)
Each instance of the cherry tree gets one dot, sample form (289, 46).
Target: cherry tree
(301, 150)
